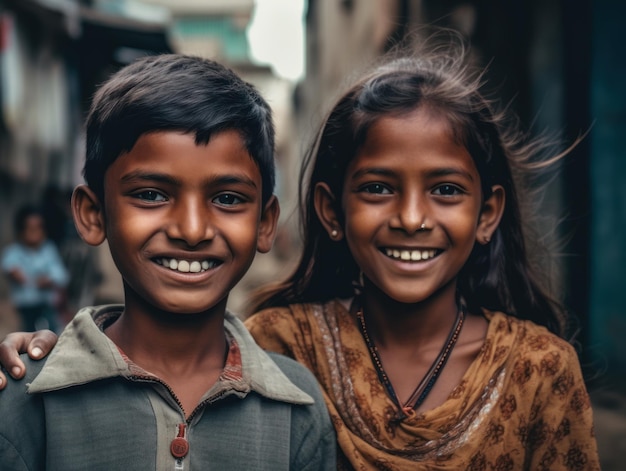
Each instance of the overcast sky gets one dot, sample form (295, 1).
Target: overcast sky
(276, 36)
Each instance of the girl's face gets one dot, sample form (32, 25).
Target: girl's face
(413, 207)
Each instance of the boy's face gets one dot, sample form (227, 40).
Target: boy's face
(184, 221)
(34, 233)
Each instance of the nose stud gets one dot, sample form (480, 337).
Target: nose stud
(422, 227)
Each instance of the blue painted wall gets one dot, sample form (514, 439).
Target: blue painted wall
(608, 188)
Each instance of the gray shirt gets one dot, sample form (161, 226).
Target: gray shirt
(85, 408)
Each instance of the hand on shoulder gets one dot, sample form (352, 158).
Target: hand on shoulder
(36, 344)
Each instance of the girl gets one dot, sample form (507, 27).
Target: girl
(413, 252)
(414, 302)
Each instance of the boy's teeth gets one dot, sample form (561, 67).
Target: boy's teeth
(184, 266)
(413, 255)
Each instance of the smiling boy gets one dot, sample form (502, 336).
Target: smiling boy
(180, 176)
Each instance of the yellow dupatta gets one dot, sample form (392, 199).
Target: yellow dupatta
(504, 414)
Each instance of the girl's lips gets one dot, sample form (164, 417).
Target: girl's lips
(187, 266)
(410, 255)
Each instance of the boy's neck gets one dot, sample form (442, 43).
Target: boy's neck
(171, 344)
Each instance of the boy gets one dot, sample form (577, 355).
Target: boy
(35, 271)
(179, 175)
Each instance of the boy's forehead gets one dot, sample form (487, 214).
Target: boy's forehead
(34, 220)
(183, 153)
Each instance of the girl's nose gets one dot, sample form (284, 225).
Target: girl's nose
(191, 222)
(410, 214)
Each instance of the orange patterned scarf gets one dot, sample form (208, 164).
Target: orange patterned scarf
(522, 404)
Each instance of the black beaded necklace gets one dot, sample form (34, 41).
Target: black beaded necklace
(428, 381)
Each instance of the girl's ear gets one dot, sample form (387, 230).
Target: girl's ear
(88, 215)
(267, 225)
(492, 211)
(325, 205)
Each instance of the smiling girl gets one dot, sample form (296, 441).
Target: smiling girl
(414, 302)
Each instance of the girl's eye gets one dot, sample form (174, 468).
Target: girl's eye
(227, 199)
(447, 190)
(376, 189)
(151, 195)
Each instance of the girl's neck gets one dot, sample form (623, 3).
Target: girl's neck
(393, 323)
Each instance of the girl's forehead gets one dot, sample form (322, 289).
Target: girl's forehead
(412, 135)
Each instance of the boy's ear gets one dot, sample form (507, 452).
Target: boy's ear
(325, 205)
(268, 225)
(88, 215)
(492, 211)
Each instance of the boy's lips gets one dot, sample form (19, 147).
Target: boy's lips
(410, 254)
(184, 265)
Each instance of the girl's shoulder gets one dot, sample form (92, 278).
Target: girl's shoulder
(290, 330)
(529, 343)
(292, 312)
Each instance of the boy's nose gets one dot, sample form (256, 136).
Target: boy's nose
(191, 223)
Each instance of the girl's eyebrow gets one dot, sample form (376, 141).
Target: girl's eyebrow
(140, 176)
(379, 171)
(437, 172)
(446, 171)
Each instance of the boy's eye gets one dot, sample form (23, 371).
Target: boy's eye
(227, 199)
(447, 190)
(376, 189)
(150, 195)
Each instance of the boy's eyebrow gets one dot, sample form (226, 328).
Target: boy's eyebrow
(438, 172)
(168, 179)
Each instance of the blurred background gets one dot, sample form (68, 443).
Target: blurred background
(559, 64)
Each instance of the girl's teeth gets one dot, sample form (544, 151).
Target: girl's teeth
(185, 266)
(412, 255)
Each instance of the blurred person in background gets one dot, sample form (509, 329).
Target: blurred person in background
(37, 276)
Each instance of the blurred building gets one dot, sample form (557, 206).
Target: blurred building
(52, 54)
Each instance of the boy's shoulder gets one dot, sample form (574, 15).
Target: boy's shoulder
(297, 373)
(22, 430)
(272, 375)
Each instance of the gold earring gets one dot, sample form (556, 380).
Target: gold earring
(334, 233)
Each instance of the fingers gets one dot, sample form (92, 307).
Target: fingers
(36, 344)
(41, 344)
(9, 354)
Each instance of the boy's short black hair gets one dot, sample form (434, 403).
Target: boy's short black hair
(22, 215)
(173, 92)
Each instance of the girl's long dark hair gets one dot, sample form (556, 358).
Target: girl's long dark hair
(497, 276)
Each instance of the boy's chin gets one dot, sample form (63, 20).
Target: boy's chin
(187, 308)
